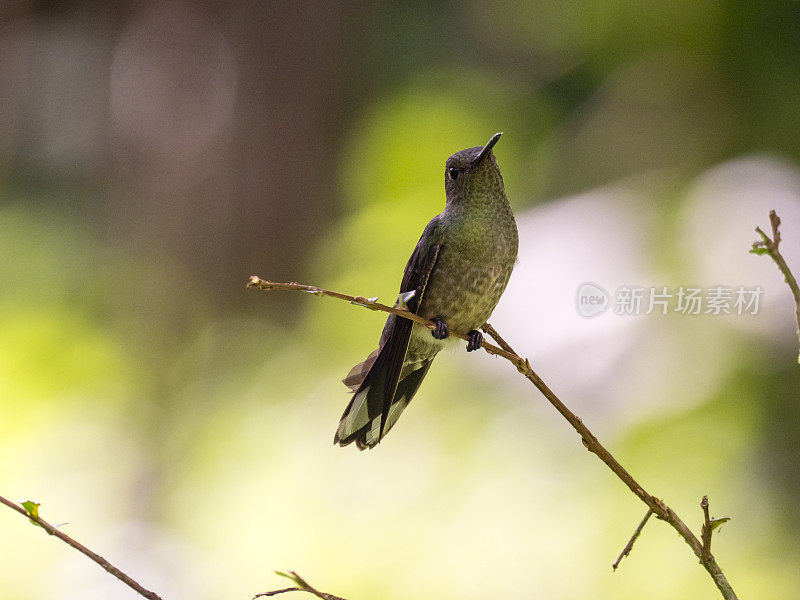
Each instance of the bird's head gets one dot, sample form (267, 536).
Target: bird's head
(473, 172)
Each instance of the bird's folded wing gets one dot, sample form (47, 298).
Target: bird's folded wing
(415, 278)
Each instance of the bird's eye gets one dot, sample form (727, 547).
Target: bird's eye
(453, 172)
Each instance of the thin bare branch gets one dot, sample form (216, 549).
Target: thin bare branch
(770, 247)
(661, 510)
(276, 592)
(302, 586)
(124, 578)
(257, 282)
(629, 546)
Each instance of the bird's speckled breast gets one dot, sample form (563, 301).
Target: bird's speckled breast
(472, 271)
(463, 294)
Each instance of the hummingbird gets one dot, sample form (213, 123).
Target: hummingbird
(455, 277)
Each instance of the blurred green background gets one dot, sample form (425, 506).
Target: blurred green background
(153, 155)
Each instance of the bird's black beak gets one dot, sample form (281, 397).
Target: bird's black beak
(487, 149)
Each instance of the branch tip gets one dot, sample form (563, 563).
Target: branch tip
(705, 532)
(770, 247)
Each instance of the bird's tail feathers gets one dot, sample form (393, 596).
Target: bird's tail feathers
(361, 421)
(357, 374)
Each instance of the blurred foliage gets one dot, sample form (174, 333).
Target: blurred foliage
(153, 156)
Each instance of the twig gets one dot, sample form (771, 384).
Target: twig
(493, 332)
(705, 533)
(83, 550)
(661, 510)
(302, 586)
(770, 247)
(629, 546)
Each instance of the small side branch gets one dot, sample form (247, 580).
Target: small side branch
(301, 585)
(770, 247)
(706, 531)
(52, 530)
(629, 546)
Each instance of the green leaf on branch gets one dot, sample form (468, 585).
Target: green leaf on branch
(32, 508)
(718, 521)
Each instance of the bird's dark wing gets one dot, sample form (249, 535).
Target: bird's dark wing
(415, 278)
(374, 394)
(421, 264)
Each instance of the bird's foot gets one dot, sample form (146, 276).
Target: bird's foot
(441, 332)
(475, 340)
